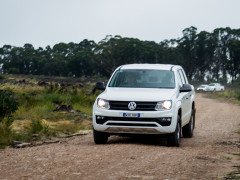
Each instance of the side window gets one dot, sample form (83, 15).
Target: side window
(184, 76)
(179, 79)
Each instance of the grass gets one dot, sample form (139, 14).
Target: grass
(232, 95)
(226, 158)
(236, 154)
(35, 118)
(5, 135)
(234, 175)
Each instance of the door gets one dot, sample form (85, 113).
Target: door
(186, 100)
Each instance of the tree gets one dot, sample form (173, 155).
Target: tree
(213, 54)
(187, 47)
(234, 55)
(204, 52)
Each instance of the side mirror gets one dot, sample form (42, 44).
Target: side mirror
(186, 88)
(100, 86)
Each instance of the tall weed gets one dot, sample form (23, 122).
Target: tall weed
(5, 134)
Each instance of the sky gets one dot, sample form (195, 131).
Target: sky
(48, 22)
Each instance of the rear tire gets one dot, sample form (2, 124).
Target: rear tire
(187, 130)
(174, 139)
(100, 137)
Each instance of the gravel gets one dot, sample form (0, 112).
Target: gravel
(209, 154)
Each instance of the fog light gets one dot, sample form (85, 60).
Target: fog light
(165, 119)
(100, 117)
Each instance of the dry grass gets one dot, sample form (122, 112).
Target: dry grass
(35, 116)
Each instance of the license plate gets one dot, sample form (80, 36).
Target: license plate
(131, 114)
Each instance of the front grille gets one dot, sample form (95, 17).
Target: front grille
(104, 119)
(141, 106)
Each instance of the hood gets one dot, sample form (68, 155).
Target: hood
(137, 94)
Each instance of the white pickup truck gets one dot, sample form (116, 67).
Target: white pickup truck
(215, 87)
(145, 99)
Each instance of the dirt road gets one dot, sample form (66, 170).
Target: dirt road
(209, 154)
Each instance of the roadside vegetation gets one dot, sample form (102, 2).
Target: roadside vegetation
(8, 105)
(231, 95)
(44, 111)
(235, 174)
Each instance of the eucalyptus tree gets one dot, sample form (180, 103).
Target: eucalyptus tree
(234, 55)
(187, 47)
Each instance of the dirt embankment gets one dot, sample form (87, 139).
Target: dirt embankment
(209, 154)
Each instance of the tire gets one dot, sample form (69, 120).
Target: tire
(100, 137)
(174, 139)
(187, 130)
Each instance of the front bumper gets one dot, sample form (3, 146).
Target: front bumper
(200, 89)
(149, 122)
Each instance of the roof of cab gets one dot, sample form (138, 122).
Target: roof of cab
(149, 66)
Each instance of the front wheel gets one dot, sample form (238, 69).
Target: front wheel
(174, 138)
(187, 130)
(100, 137)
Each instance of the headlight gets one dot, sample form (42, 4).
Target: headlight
(163, 105)
(102, 103)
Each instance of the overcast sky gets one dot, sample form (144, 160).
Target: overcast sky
(47, 22)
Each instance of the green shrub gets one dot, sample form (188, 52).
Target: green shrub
(28, 99)
(8, 105)
(70, 74)
(1, 77)
(13, 71)
(36, 126)
(237, 94)
(38, 129)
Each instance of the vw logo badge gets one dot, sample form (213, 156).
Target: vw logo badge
(132, 106)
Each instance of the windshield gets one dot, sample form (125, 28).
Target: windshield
(211, 84)
(140, 78)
